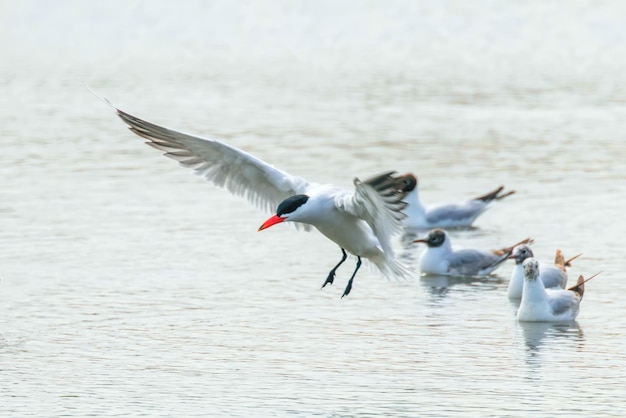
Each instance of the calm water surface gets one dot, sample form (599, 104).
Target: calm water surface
(131, 287)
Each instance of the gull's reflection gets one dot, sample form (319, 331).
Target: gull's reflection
(536, 334)
(438, 285)
(541, 336)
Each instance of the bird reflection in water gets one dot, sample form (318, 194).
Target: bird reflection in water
(439, 285)
(545, 336)
(537, 334)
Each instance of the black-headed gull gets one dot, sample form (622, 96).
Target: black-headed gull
(361, 221)
(553, 276)
(539, 304)
(440, 258)
(444, 215)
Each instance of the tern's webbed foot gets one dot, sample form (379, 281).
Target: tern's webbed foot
(330, 279)
(348, 289)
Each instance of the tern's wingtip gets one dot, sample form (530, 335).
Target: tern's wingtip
(104, 99)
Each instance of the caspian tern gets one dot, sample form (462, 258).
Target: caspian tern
(440, 258)
(445, 215)
(548, 305)
(553, 276)
(361, 222)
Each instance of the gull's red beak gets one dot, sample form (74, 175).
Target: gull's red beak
(271, 221)
(420, 240)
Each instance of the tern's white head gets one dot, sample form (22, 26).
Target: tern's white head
(291, 209)
(521, 253)
(531, 269)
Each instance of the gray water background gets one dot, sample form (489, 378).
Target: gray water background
(131, 287)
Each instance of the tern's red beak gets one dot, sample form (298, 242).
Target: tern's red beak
(271, 221)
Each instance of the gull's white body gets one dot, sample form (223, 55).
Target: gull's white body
(552, 277)
(539, 304)
(446, 215)
(444, 259)
(361, 221)
(464, 262)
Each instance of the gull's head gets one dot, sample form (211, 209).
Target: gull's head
(521, 253)
(407, 183)
(531, 269)
(289, 209)
(435, 238)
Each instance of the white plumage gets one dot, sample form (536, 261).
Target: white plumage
(444, 215)
(539, 304)
(361, 222)
(440, 258)
(553, 276)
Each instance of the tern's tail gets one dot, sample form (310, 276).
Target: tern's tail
(391, 267)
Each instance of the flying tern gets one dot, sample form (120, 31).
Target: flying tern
(361, 222)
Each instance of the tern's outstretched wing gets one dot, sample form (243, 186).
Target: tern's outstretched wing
(240, 173)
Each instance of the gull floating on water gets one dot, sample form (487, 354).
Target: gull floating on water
(440, 258)
(445, 215)
(553, 276)
(548, 305)
(361, 222)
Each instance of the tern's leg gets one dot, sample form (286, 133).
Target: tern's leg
(349, 286)
(331, 275)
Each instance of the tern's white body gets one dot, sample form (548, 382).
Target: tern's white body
(539, 304)
(445, 215)
(361, 221)
(326, 212)
(345, 229)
